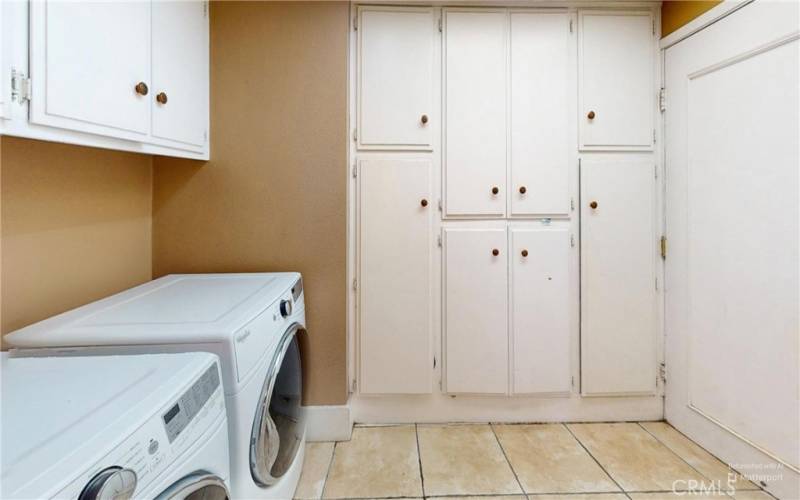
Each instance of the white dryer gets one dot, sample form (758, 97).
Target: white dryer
(86, 428)
(252, 321)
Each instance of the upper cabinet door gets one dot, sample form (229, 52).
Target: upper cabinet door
(396, 58)
(90, 66)
(475, 73)
(542, 310)
(180, 71)
(476, 310)
(542, 97)
(617, 66)
(394, 276)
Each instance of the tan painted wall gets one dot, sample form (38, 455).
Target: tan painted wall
(75, 226)
(273, 196)
(676, 13)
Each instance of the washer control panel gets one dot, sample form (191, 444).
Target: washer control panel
(189, 405)
(158, 442)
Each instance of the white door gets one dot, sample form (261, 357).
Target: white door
(90, 66)
(394, 276)
(732, 318)
(475, 137)
(180, 71)
(618, 259)
(395, 94)
(542, 96)
(476, 310)
(616, 67)
(541, 310)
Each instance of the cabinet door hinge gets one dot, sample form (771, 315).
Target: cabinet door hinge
(20, 86)
(355, 22)
(572, 204)
(570, 25)
(662, 99)
(439, 203)
(355, 284)
(662, 372)
(205, 9)
(355, 134)
(654, 136)
(572, 240)
(663, 247)
(434, 362)
(440, 24)
(205, 136)
(439, 240)
(572, 381)
(353, 386)
(355, 171)
(656, 280)
(654, 26)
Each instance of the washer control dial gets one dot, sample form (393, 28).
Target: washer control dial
(112, 483)
(286, 308)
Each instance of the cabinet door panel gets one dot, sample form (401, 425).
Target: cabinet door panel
(618, 258)
(541, 52)
(86, 59)
(617, 53)
(541, 310)
(476, 311)
(394, 232)
(180, 71)
(395, 77)
(475, 110)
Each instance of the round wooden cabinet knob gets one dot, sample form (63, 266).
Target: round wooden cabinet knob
(141, 88)
(523, 190)
(593, 204)
(495, 190)
(424, 202)
(424, 119)
(495, 252)
(590, 115)
(524, 253)
(161, 97)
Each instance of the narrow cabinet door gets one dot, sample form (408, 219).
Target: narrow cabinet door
(617, 94)
(475, 112)
(618, 257)
(90, 66)
(542, 310)
(180, 71)
(394, 276)
(542, 86)
(476, 310)
(395, 100)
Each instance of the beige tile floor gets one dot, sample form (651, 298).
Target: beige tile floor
(605, 461)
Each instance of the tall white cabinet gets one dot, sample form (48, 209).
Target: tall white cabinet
(505, 285)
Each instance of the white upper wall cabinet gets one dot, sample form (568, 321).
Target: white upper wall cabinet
(476, 310)
(475, 74)
(542, 107)
(396, 84)
(394, 275)
(180, 71)
(616, 72)
(618, 273)
(87, 59)
(542, 310)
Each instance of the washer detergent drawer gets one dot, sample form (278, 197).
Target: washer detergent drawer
(254, 338)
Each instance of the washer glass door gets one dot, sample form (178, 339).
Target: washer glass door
(198, 486)
(278, 428)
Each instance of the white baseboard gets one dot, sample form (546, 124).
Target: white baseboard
(328, 423)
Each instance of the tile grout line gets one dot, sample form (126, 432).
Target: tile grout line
(328, 471)
(419, 461)
(662, 443)
(595, 460)
(510, 466)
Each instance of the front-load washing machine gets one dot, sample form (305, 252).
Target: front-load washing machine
(100, 427)
(252, 321)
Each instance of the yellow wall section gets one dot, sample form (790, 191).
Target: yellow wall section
(273, 196)
(76, 227)
(676, 13)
